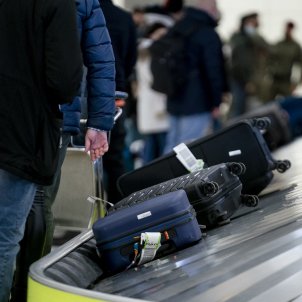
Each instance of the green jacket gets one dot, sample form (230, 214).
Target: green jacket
(249, 57)
(284, 55)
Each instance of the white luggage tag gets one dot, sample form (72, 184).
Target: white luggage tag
(150, 242)
(186, 157)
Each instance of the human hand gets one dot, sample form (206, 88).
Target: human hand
(96, 143)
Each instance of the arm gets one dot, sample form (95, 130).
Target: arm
(63, 59)
(212, 62)
(99, 59)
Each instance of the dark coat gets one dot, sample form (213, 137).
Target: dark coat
(206, 80)
(37, 72)
(100, 64)
(123, 36)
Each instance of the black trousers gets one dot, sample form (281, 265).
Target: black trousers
(114, 160)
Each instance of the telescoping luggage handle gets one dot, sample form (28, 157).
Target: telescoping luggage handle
(99, 204)
(99, 207)
(118, 113)
(119, 97)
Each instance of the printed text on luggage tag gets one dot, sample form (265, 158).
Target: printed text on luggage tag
(186, 157)
(150, 242)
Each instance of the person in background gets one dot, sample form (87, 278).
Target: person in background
(286, 54)
(123, 36)
(194, 105)
(33, 82)
(172, 8)
(99, 60)
(152, 118)
(166, 13)
(138, 16)
(248, 66)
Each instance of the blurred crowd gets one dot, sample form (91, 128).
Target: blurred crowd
(254, 72)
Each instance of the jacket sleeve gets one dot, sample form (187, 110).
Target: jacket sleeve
(213, 65)
(63, 60)
(99, 60)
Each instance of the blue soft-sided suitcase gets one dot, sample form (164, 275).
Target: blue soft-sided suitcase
(171, 214)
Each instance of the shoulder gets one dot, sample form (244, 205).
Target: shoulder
(52, 8)
(238, 39)
(296, 45)
(113, 11)
(85, 7)
(90, 10)
(206, 35)
(125, 16)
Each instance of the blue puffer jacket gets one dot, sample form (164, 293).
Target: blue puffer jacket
(100, 63)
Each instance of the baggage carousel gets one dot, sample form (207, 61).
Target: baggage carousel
(256, 257)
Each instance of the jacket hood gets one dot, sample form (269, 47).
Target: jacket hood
(200, 16)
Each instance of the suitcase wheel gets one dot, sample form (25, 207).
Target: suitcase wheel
(250, 200)
(262, 123)
(283, 165)
(237, 168)
(223, 222)
(218, 218)
(244, 168)
(216, 186)
(288, 163)
(210, 188)
(222, 218)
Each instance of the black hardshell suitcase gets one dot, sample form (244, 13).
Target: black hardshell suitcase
(212, 207)
(278, 133)
(118, 234)
(239, 142)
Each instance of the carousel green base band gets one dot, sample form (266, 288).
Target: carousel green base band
(38, 292)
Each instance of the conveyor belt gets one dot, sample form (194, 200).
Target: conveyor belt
(253, 258)
(257, 257)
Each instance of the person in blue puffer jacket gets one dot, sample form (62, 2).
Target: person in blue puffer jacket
(99, 60)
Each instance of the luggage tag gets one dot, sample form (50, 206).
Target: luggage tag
(186, 157)
(150, 242)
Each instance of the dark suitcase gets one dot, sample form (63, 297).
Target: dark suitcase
(118, 234)
(239, 142)
(212, 207)
(278, 132)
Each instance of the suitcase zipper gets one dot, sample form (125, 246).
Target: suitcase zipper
(158, 222)
(184, 221)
